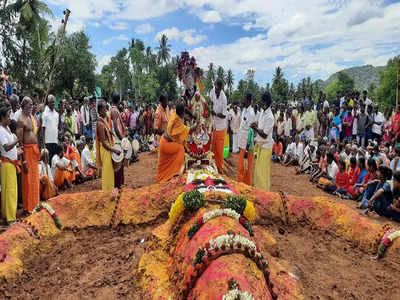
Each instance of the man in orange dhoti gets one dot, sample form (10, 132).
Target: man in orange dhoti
(27, 130)
(172, 152)
(219, 112)
(245, 174)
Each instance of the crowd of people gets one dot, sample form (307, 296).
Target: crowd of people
(348, 148)
(48, 147)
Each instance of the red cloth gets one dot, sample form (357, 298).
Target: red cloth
(342, 180)
(396, 125)
(277, 148)
(354, 175)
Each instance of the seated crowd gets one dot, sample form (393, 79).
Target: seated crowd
(356, 155)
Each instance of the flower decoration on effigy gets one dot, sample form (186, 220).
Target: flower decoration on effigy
(192, 201)
(51, 211)
(235, 293)
(241, 206)
(218, 213)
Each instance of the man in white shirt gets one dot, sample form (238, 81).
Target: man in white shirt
(366, 100)
(235, 126)
(378, 121)
(85, 113)
(88, 159)
(248, 118)
(50, 127)
(15, 108)
(219, 113)
(264, 141)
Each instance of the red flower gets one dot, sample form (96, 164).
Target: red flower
(207, 246)
(242, 220)
(200, 222)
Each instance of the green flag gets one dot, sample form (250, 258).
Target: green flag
(98, 92)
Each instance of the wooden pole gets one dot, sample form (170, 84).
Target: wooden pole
(67, 12)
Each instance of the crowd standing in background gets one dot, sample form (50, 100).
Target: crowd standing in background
(348, 147)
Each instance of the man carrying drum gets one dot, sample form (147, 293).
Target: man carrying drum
(118, 131)
(104, 148)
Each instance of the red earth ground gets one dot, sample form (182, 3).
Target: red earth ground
(98, 263)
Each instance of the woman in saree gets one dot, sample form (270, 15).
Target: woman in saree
(172, 151)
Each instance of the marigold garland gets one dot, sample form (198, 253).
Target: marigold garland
(241, 206)
(192, 201)
(176, 209)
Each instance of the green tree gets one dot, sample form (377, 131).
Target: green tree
(280, 86)
(221, 74)
(346, 83)
(332, 89)
(164, 49)
(385, 92)
(210, 77)
(229, 81)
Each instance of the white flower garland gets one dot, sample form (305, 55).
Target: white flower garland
(219, 212)
(231, 240)
(237, 294)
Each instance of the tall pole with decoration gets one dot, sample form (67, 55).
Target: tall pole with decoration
(64, 21)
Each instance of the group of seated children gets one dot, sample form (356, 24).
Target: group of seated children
(350, 173)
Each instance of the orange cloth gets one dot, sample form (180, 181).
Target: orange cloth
(30, 180)
(109, 140)
(277, 148)
(161, 118)
(176, 129)
(170, 162)
(245, 175)
(48, 189)
(74, 155)
(63, 175)
(16, 163)
(218, 142)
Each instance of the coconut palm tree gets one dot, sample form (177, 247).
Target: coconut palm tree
(164, 49)
(229, 81)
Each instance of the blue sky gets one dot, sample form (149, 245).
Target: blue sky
(306, 38)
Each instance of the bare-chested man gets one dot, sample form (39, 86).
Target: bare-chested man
(118, 130)
(27, 130)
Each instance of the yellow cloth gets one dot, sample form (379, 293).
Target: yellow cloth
(310, 118)
(9, 191)
(107, 173)
(177, 131)
(110, 141)
(262, 170)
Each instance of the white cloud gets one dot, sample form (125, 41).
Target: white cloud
(104, 60)
(189, 37)
(311, 38)
(118, 26)
(121, 37)
(210, 16)
(95, 24)
(144, 29)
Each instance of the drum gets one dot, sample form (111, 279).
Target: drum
(117, 159)
(135, 146)
(128, 152)
(125, 144)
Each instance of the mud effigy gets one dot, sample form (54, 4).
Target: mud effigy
(214, 244)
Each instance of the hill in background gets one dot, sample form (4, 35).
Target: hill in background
(363, 77)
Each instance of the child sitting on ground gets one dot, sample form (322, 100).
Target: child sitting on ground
(47, 187)
(383, 196)
(329, 175)
(277, 151)
(369, 184)
(290, 153)
(393, 210)
(309, 158)
(341, 181)
(321, 169)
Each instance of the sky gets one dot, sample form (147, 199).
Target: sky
(304, 37)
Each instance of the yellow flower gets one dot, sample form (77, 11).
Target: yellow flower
(176, 209)
(249, 211)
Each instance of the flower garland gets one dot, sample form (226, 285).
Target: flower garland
(235, 293)
(241, 206)
(191, 201)
(218, 213)
(387, 240)
(51, 211)
(226, 244)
